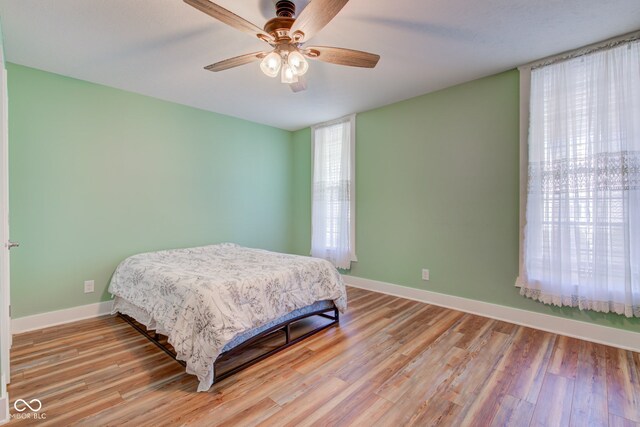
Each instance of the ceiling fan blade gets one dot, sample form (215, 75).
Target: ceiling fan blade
(341, 56)
(236, 61)
(314, 17)
(229, 18)
(300, 85)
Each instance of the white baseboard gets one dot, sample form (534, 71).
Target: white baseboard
(4, 401)
(53, 318)
(4, 409)
(572, 328)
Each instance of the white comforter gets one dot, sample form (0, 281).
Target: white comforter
(201, 298)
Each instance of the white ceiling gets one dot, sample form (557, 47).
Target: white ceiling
(159, 48)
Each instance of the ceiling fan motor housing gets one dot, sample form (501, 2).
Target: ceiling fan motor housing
(279, 26)
(279, 29)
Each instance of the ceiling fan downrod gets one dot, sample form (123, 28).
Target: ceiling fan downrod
(285, 8)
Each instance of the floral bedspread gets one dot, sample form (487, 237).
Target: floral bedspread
(201, 298)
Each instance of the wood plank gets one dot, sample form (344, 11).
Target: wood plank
(371, 415)
(623, 384)
(484, 356)
(513, 412)
(616, 421)
(554, 406)
(590, 407)
(359, 396)
(435, 412)
(253, 415)
(528, 356)
(564, 359)
(485, 404)
(295, 412)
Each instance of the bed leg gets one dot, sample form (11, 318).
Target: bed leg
(287, 332)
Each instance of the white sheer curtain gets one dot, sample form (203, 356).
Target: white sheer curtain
(582, 234)
(333, 197)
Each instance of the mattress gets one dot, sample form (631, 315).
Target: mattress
(205, 298)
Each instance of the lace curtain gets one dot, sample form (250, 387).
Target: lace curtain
(582, 234)
(333, 199)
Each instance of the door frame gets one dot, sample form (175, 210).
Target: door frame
(5, 305)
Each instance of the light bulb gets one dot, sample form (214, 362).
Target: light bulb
(298, 63)
(288, 75)
(271, 63)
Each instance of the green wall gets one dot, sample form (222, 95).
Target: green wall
(301, 195)
(437, 188)
(98, 174)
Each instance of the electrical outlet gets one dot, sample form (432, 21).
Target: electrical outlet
(425, 274)
(88, 286)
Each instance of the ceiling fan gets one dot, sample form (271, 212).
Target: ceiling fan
(286, 35)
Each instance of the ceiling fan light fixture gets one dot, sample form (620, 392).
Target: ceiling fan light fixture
(298, 63)
(288, 74)
(271, 64)
(286, 33)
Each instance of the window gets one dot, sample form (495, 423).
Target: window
(333, 195)
(582, 237)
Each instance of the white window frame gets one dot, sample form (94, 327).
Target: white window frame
(525, 98)
(352, 179)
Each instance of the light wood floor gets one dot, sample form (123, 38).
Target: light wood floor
(392, 362)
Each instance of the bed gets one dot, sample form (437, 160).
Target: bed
(210, 300)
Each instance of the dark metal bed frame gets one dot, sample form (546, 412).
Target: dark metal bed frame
(281, 327)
